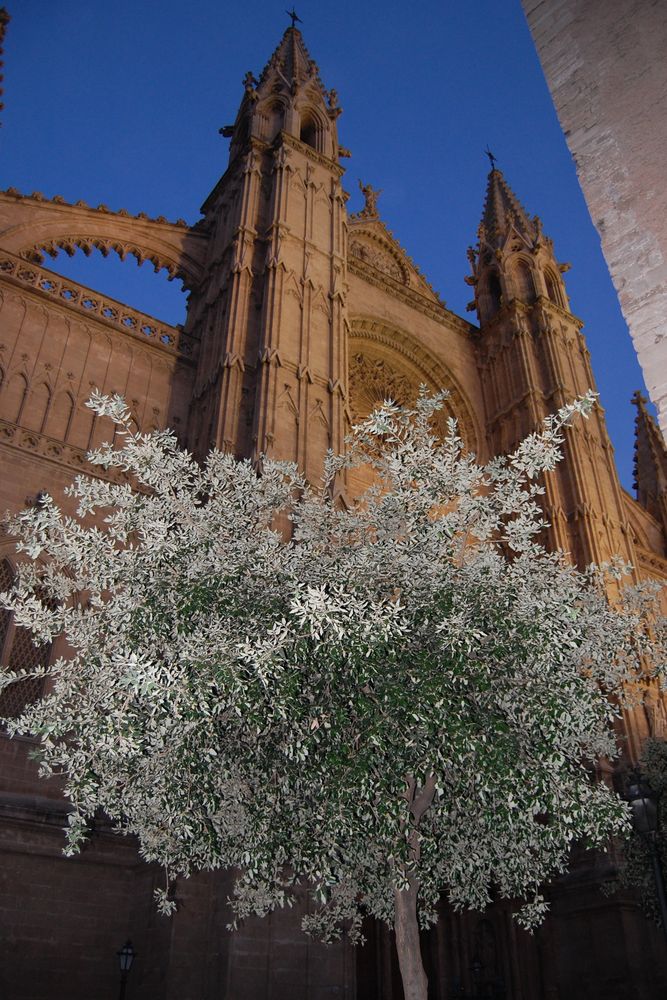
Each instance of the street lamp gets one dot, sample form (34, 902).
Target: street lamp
(645, 821)
(126, 957)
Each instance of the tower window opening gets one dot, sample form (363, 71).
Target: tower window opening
(552, 288)
(494, 291)
(271, 120)
(308, 132)
(523, 283)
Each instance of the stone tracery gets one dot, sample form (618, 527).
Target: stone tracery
(32, 225)
(386, 362)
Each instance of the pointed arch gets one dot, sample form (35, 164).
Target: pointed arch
(308, 131)
(312, 127)
(13, 398)
(60, 415)
(81, 427)
(33, 227)
(270, 119)
(552, 285)
(414, 362)
(36, 408)
(522, 281)
(489, 295)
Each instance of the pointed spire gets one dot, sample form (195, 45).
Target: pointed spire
(503, 209)
(289, 98)
(291, 64)
(650, 461)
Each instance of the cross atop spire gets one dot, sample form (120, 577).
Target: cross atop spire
(294, 16)
(492, 159)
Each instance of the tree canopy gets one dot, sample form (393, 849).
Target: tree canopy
(392, 698)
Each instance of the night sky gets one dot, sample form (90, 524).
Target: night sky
(121, 103)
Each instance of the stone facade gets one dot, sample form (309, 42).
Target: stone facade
(604, 61)
(300, 318)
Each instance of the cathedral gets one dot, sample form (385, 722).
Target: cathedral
(301, 318)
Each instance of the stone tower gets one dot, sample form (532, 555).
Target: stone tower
(270, 309)
(533, 360)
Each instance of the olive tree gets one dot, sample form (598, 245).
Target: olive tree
(379, 701)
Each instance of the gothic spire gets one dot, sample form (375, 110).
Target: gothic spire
(502, 209)
(290, 98)
(513, 259)
(650, 461)
(290, 66)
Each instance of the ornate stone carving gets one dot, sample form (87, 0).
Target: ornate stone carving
(372, 380)
(371, 195)
(80, 298)
(64, 454)
(378, 258)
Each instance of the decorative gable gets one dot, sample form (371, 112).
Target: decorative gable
(378, 255)
(372, 244)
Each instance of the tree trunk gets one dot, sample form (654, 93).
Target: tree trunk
(415, 984)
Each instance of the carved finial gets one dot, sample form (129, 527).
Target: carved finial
(492, 158)
(249, 81)
(294, 16)
(371, 195)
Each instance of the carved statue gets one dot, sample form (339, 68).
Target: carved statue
(249, 81)
(371, 195)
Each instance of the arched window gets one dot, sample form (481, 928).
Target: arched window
(494, 290)
(489, 295)
(18, 652)
(552, 288)
(309, 131)
(524, 287)
(271, 120)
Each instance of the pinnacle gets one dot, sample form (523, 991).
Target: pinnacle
(650, 456)
(291, 61)
(502, 209)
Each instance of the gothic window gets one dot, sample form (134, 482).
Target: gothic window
(523, 282)
(271, 121)
(552, 288)
(489, 296)
(18, 652)
(309, 130)
(494, 290)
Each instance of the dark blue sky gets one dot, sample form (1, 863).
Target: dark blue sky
(121, 103)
